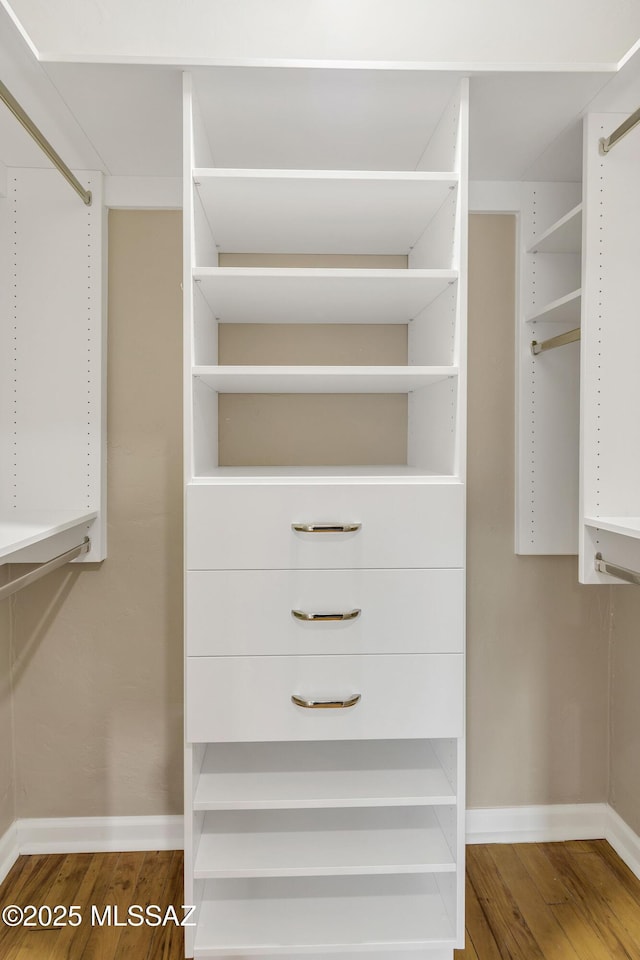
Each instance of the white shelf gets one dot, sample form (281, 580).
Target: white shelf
(627, 526)
(563, 236)
(316, 211)
(262, 917)
(563, 310)
(375, 473)
(299, 776)
(263, 295)
(315, 843)
(20, 529)
(320, 379)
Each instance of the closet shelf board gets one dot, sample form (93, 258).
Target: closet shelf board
(563, 236)
(289, 295)
(301, 916)
(320, 473)
(315, 211)
(20, 529)
(563, 310)
(320, 379)
(368, 781)
(627, 526)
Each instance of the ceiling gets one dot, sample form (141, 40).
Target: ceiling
(125, 119)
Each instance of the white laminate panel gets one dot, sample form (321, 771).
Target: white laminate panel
(248, 526)
(249, 698)
(250, 612)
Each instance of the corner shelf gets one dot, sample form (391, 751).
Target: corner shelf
(320, 211)
(317, 295)
(563, 236)
(322, 379)
(626, 526)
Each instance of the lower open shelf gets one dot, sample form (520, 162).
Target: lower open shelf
(20, 529)
(306, 916)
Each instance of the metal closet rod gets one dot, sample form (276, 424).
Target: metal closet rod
(622, 573)
(7, 98)
(19, 582)
(570, 337)
(606, 143)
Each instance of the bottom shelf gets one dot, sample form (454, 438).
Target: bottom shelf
(326, 915)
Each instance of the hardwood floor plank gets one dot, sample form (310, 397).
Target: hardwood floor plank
(584, 936)
(545, 876)
(478, 928)
(93, 888)
(103, 941)
(588, 901)
(170, 942)
(622, 872)
(623, 904)
(149, 890)
(510, 930)
(547, 932)
(173, 883)
(32, 886)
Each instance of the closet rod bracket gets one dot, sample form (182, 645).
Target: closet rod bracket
(621, 573)
(44, 568)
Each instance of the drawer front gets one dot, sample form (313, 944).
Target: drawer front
(251, 612)
(249, 698)
(249, 526)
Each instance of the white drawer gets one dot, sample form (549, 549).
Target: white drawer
(249, 526)
(250, 612)
(249, 698)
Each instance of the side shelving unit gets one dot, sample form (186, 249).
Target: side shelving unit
(324, 463)
(548, 381)
(610, 455)
(52, 368)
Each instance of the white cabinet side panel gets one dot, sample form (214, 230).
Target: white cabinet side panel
(57, 353)
(610, 451)
(548, 386)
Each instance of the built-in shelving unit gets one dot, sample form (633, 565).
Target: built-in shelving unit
(325, 393)
(548, 382)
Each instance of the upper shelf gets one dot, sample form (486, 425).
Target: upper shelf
(563, 236)
(337, 119)
(267, 295)
(320, 379)
(626, 526)
(316, 211)
(563, 310)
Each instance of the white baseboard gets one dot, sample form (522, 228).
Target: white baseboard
(563, 821)
(99, 834)
(9, 850)
(624, 841)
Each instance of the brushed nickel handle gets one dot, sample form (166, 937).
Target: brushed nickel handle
(320, 617)
(325, 527)
(326, 704)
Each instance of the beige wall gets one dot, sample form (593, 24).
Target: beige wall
(98, 671)
(624, 787)
(537, 640)
(7, 771)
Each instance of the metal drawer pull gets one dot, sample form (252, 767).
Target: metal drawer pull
(326, 704)
(325, 527)
(320, 617)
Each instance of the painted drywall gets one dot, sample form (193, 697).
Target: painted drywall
(580, 31)
(97, 672)
(537, 640)
(7, 771)
(624, 772)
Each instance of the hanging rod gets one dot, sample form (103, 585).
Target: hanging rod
(606, 143)
(570, 337)
(26, 121)
(19, 582)
(622, 573)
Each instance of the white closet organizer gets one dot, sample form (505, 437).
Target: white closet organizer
(325, 597)
(52, 356)
(610, 458)
(548, 383)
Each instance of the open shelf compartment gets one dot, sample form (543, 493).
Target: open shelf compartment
(563, 236)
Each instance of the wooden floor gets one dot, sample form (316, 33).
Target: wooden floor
(539, 901)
